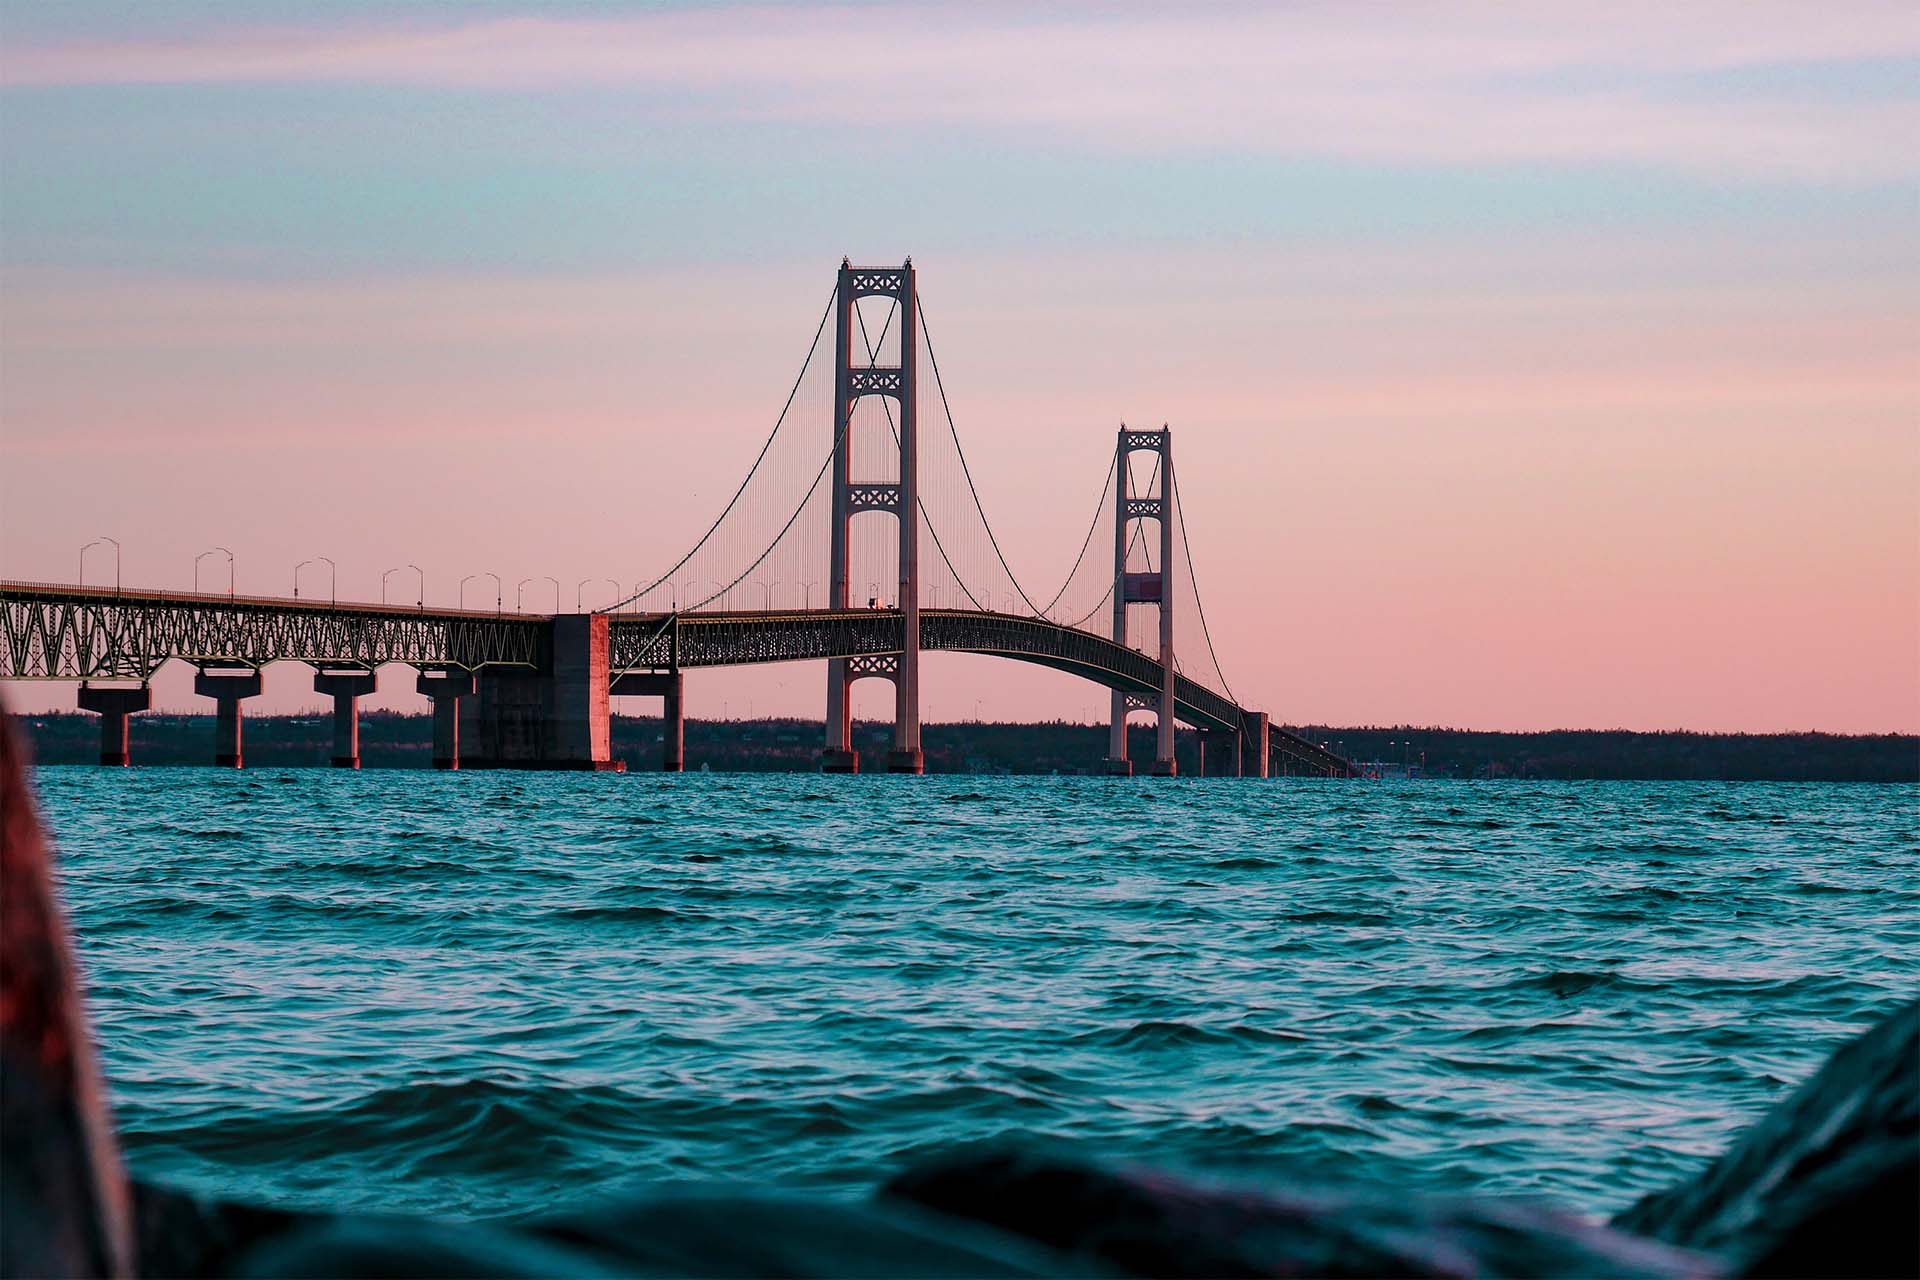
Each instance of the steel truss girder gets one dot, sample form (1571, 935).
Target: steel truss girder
(720, 639)
(69, 633)
(83, 633)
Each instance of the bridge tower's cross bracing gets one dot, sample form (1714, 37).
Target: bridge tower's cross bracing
(853, 381)
(1153, 587)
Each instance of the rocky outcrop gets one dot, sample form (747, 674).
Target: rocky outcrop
(1827, 1183)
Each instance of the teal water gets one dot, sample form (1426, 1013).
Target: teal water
(494, 993)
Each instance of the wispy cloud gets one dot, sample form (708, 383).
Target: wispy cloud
(1654, 84)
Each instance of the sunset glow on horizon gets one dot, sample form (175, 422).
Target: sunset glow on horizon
(1525, 373)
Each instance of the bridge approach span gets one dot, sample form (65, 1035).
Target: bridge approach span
(51, 631)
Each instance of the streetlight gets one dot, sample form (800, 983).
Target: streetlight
(520, 595)
(202, 556)
(389, 573)
(463, 588)
(116, 561)
(806, 595)
(766, 598)
(423, 585)
(498, 590)
(556, 590)
(616, 592)
(873, 595)
(333, 577)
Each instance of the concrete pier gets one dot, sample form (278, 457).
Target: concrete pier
(670, 688)
(346, 688)
(557, 718)
(913, 760)
(1254, 744)
(227, 686)
(839, 760)
(1219, 754)
(446, 688)
(114, 703)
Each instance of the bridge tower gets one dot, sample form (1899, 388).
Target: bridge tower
(1154, 587)
(855, 379)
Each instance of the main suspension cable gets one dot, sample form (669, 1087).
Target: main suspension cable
(757, 560)
(758, 459)
(966, 471)
(1194, 578)
(873, 349)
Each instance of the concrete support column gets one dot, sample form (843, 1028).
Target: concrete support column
(838, 756)
(580, 716)
(1219, 754)
(347, 688)
(227, 687)
(1118, 765)
(446, 688)
(670, 688)
(1254, 744)
(114, 703)
(673, 725)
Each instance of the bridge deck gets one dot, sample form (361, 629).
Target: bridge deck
(52, 631)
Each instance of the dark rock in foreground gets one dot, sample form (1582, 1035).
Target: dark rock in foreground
(1827, 1183)
(1141, 1222)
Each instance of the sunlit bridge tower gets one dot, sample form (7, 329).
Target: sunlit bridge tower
(1154, 586)
(855, 377)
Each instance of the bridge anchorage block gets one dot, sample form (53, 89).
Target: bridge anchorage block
(114, 703)
(908, 761)
(834, 760)
(227, 686)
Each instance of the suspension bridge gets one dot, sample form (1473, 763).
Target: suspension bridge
(850, 496)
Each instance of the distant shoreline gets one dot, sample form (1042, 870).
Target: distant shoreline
(401, 740)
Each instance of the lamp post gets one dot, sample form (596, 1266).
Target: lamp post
(333, 578)
(202, 556)
(423, 585)
(616, 592)
(806, 595)
(498, 590)
(520, 595)
(463, 588)
(556, 590)
(116, 561)
(766, 596)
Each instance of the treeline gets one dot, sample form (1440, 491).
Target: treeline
(395, 741)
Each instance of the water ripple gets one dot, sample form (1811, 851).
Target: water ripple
(500, 994)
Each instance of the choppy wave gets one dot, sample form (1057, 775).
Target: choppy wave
(498, 994)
